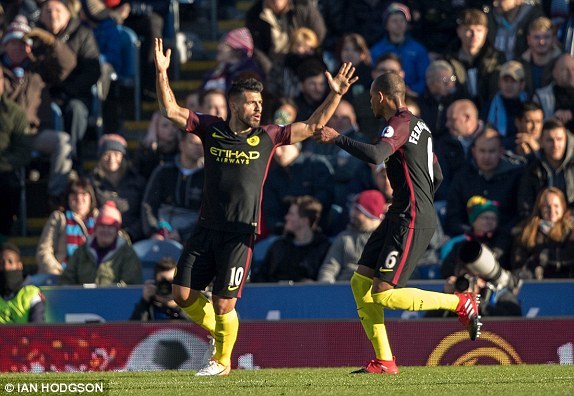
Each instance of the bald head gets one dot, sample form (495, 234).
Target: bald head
(563, 72)
(462, 118)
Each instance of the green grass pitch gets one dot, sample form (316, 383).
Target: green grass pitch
(428, 381)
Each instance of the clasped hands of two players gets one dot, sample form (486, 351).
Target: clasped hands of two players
(340, 85)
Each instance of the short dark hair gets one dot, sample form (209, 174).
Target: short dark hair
(240, 86)
(310, 68)
(165, 264)
(309, 208)
(527, 106)
(389, 56)
(551, 124)
(391, 84)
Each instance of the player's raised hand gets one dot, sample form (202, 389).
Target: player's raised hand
(325, 135)
(343, 80)
(161, 60)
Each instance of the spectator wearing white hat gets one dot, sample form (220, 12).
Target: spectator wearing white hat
(106, 258)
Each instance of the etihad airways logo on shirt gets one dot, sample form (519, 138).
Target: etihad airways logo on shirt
(233, 156)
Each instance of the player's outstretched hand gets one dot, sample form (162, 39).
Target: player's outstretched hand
(161, 60)
(343, 80)
(325, 135)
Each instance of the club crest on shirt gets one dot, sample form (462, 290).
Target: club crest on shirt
(253, 141)
(388, 132)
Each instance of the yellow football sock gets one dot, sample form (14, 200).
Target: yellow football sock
(202, 313)
(226, 328)
(371, 315)
(412, 299)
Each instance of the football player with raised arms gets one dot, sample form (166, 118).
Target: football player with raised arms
(237, 156)
(393, 250)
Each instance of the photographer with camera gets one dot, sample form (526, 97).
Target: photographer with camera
(157, 301)
(477, 261)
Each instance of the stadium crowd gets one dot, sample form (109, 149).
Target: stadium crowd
(494, 81)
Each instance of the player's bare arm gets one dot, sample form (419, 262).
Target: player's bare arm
(167, 104)
(339, 86)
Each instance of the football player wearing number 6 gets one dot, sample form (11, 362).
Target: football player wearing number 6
(392, 251)
(237, 157)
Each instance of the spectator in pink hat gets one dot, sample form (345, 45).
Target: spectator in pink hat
(366, 215)
(234, 57)
(107, 258)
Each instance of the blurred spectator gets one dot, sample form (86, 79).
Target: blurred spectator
(508, 22)
(234, 56)
(490, 175)
(27, 75)
(67, 229)
(192, 100)
(19, 304)
(15, 150)
(365, 216)
(106, 258)
(213, 102)
(541, 54)
(313, 88)
(283, 78)
(115, 179)
(414, 57)
(285, 112)
(545, 246)
(453, 149)
(436, 23)
(474, 60)
(553, 166)
(173, 195)
(273, 22)
(370, 126)
(157, 301)
(528, 124)
(334, 13)
(557, 98)
(505, 105)
(73, 94)
(159, 146)
(344, 165)
(9, 9)
(146, 18)
(353, 48)
(295, 174)
(297, 255)
(100, 19)
(365, 17)
(483, 219)
(372, 177)
(441, 90)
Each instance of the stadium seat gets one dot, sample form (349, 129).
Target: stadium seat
(150, 251)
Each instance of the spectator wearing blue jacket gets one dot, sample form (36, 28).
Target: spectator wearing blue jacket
(414, 56)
